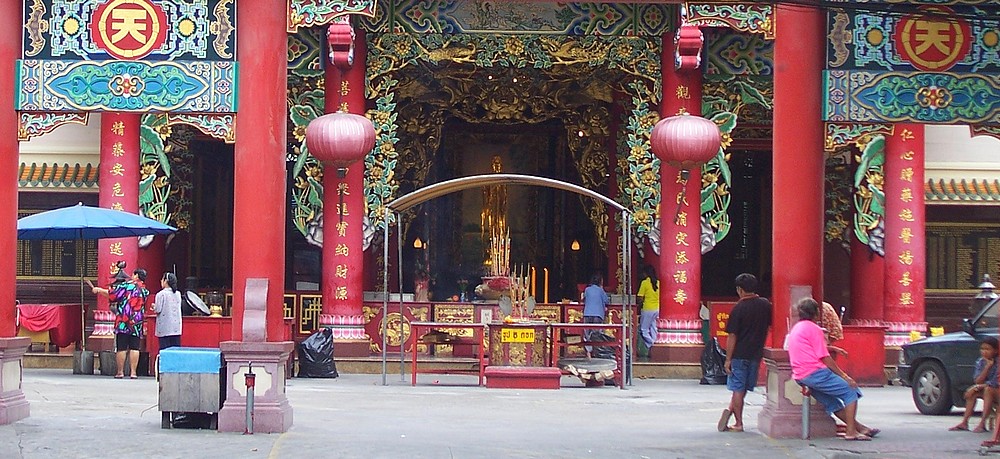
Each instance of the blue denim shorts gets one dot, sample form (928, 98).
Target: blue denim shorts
(743, 377)
(830, 390)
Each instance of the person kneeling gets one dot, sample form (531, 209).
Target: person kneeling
(813, 367)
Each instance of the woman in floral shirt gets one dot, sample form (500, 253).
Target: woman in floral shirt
(128, 301)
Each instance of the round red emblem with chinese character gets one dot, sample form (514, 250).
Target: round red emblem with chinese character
(934, 41)
(129, 29)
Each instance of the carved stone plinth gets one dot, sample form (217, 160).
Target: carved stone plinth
(782, 413)
(272, 412)
(13, 405)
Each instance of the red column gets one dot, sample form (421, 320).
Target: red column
(343, 238)
(867, 288)
(259, 185)
(679, 267)
(151, 259)
(797, 215)
(118, 179)
(905, 252)
(10, 50)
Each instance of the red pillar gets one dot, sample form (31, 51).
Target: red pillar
(679, 269)
(10, 50)
(151, 259)
(13, 405)
(797, 215)
(118, 179)
(259, 223)
(259, 185)
(905, 252)
(867, 288)
(343, 238)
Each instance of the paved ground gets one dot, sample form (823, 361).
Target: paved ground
(354, 416)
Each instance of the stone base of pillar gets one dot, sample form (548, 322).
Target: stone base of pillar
(351, 348)
(676, 353)
(103, 336)
(13, 405)
(900, 333)
(782, 413)
(98, 343)
(271, 413)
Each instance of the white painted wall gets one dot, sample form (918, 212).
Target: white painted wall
(952, 153)
(70, 143)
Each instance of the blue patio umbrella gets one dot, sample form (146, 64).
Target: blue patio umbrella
(85, 222)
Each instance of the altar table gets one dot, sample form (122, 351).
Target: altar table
(63, 322)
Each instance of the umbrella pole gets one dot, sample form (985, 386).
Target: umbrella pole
(82, 342)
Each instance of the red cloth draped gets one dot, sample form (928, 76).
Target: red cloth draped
(61, 320)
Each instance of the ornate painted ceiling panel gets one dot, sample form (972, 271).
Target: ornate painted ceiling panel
(734, 53)
(862, 96)
(751, 17)
(936, 39)
(459, 16)
(153, 30)
(308, 13)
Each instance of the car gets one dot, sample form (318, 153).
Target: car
(939, 369)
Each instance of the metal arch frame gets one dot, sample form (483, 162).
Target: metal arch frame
(437, 190)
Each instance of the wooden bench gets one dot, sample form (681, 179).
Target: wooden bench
(510, 377)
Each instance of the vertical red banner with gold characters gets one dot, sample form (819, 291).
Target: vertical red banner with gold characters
(680, 212)
(905, 254)
(343, 214)
(118, 180)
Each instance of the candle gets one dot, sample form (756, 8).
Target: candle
(545, 281)
(533, 291)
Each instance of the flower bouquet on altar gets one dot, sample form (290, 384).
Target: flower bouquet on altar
(493, 287)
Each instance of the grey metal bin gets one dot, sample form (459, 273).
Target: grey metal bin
(191, 381)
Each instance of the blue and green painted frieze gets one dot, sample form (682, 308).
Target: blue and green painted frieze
(921, 97)
(180, 86)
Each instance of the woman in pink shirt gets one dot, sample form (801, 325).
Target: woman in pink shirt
(813, 367)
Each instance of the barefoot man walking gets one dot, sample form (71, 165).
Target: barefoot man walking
(747, 329)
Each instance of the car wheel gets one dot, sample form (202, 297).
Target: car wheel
(931, 389)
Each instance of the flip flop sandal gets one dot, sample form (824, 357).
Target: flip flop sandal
(952, 429)
(724, 420)
(859, 437)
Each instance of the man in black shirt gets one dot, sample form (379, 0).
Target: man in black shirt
(747, 328)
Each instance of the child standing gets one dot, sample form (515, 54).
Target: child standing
(985, 386)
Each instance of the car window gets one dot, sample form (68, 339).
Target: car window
(988, 322)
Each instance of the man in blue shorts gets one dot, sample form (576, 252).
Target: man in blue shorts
(747, 328)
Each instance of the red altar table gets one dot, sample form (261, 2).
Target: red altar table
(199, 331)
(63, 322)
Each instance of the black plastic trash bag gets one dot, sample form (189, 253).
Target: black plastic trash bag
(713, 363)
(601, 352)
(184, 420)
(316, 356)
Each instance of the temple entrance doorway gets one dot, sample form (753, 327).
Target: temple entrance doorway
(548, 228)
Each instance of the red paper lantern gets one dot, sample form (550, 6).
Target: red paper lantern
(339, 139)
(685, 141)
